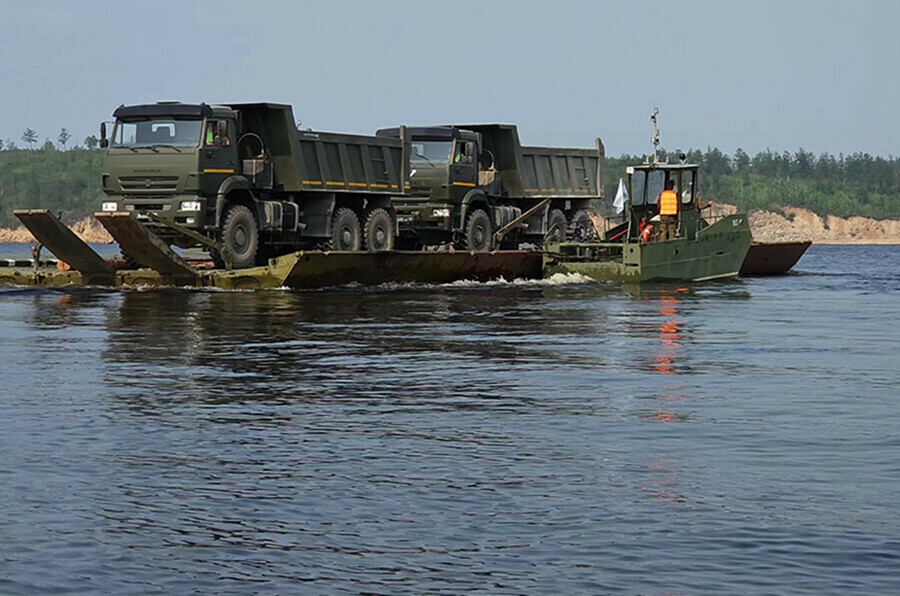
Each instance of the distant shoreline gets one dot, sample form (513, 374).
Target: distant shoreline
(793, 224)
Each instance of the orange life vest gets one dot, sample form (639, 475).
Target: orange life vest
(668, 202)
(645, 234)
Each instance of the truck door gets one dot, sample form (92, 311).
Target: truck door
(463, 169)
(218, 154)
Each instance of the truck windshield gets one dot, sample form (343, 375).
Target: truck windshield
(431, 152)
(157, 131)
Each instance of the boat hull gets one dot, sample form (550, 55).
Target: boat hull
(772, 258)
(716, 252)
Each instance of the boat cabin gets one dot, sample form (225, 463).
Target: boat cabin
(645, 184)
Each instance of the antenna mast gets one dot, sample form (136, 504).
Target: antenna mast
(655, 138)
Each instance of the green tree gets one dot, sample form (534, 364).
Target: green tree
(64, 137)
(803, 163)
(30, 137)
(741, 160)
(48, 145)
(91, 142)
(715, 162)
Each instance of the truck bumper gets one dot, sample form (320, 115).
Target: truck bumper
(191, 211)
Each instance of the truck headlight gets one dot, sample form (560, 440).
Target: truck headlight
(189, 206)
(440, 213)
(110, 206)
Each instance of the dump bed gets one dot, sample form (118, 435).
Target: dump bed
(555, 171)
(313, 160)
(536, 172)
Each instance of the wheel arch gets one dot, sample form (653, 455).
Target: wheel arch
(474, 199)
(234, 190)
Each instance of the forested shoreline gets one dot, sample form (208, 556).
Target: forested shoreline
(67, 180)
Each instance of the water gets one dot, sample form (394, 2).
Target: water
(565, 438)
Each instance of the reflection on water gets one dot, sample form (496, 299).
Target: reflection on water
(583, 438)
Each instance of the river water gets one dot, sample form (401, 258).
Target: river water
(558, 437)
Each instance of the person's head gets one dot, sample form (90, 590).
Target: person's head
(670, 184)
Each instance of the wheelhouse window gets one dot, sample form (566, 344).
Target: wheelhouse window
(431, 152)
(687, 186)
(646, 186)
(157, 131)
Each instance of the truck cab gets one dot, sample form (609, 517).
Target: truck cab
(443, 187)
(170, 159)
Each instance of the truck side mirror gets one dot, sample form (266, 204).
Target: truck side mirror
(104, 142)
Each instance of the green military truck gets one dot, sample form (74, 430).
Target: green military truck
(245, 181)
(468, 181)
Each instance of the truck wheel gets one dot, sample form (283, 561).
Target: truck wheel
(581, 227)
(345, 232)
(556, 226)
(379, 230)
(478, 231)
(240, 233)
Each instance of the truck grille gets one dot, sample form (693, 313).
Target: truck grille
(154, 184)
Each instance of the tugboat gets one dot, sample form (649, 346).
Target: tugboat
(647, 246)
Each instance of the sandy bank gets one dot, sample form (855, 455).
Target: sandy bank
(791, 224)
(88, 229)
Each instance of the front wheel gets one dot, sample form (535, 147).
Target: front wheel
(478, 231)
(240, 234)
(379, 230)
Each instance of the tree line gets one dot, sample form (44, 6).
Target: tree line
(66, 179)
(47, 178)
(30, 137)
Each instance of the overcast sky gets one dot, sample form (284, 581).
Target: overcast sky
(821, 75)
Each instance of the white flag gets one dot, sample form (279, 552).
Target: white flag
(621, 197)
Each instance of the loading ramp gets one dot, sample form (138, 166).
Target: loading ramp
(147, 248)
(66, 246)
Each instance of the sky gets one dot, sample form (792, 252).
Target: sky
(781, 75)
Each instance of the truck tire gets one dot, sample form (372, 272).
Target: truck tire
(478, 231)
(378, 233)
(241, 234)
(557, 226)
(581, 227)
(345, 232)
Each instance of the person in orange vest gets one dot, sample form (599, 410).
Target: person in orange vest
(668, 211)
